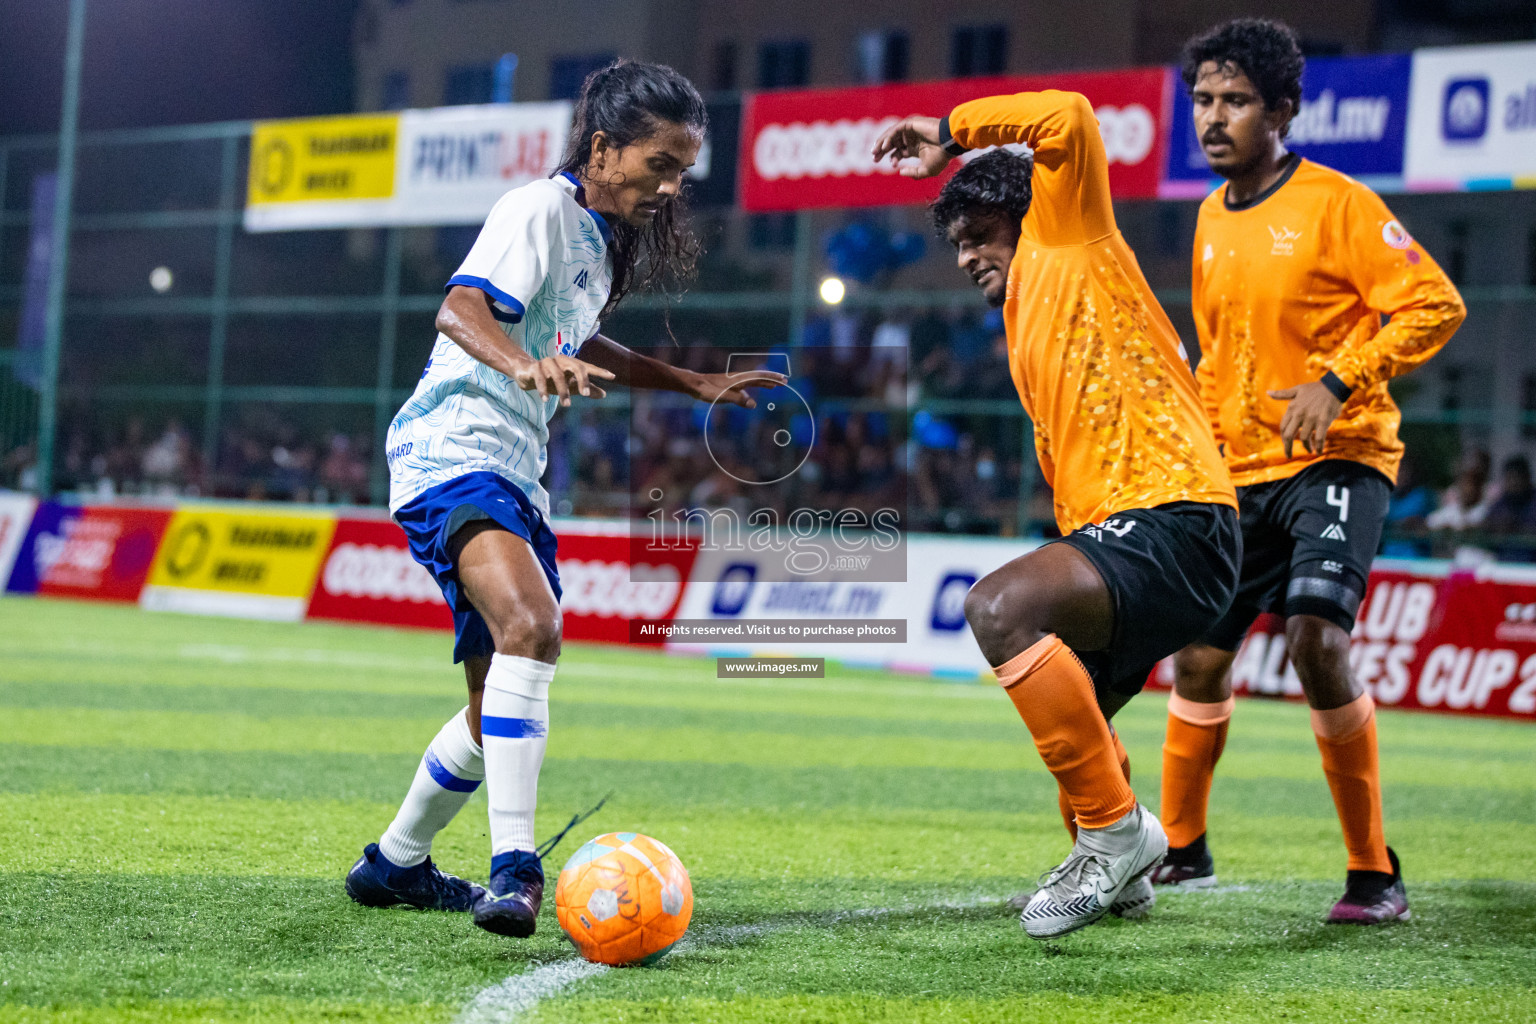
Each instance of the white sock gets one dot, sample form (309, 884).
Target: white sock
(514, 723)
(449, 772)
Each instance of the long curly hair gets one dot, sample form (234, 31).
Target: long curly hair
(628, 101)
(1264, 50)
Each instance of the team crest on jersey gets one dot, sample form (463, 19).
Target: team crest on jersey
(581, 281)
(1209, 254)
(1285, 241)
(1395, 235)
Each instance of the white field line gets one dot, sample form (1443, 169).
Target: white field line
(510, 998)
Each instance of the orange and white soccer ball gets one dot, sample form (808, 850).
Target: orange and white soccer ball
(624, 898)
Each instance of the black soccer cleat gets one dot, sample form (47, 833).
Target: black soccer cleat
(375, 882)
(1187, 867)
(1372, 897)
(511, 906)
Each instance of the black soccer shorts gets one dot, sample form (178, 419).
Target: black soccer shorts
(1308, 542)
(1171, 572)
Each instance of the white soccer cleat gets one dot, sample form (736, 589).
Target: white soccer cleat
(1104, 863)
(1135, 900)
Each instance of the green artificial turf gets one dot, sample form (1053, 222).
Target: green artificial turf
(180, 798)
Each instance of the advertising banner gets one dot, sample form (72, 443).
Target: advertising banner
(231, 561)
(15, 519)
(811, 149)
(103, 553)
(370, 576)
(1463, 642)
(455, 162)
(1472, 118)
(322, 172)
(727, 586)
(1353, 118)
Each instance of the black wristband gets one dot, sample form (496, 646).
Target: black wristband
(946, 140)
(1337, 387)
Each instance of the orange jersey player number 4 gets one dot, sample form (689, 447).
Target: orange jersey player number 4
(1292, 285)
(1098, 365)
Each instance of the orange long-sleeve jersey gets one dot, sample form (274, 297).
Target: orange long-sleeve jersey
(1098, 366)
(1293, 284)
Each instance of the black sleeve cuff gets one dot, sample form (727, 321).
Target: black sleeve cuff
(1340, 390)
(946, 140)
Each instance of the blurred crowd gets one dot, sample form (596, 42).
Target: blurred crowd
(262, 460)
(843, 438)
(1476, 513)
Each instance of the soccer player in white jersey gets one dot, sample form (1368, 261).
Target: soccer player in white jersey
(519, 337)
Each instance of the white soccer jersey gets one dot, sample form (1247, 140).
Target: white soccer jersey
(543, 260)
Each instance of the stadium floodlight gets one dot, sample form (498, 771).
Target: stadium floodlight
(161, 279)
(833, 290)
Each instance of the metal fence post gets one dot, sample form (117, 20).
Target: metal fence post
(58, 269)
(383, 401)
(218, 327)
(800, 279)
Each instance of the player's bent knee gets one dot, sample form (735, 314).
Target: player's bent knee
(1001, 620)
(1201, 674)
(527, 633)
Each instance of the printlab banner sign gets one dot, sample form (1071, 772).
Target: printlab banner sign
(1353, 118)
(447, 165)
(1472, 119)
(811, 149)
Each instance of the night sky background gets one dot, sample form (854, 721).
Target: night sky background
(156, 62)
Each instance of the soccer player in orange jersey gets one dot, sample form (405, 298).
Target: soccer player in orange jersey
(1294, 267)
(1150, 549)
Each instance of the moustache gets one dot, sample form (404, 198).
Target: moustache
(1214, 136)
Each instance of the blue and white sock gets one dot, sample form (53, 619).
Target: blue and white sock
(450, 770)
(514, 724)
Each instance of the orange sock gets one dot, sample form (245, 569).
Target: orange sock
(1197, 733)
(1346, 737)
(1053, 694)
(1064, 802)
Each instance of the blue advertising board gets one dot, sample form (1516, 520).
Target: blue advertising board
(1354, 116)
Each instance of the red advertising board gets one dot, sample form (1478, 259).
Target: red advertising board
(1463, 642)
(370, 576)
(810, 149)
(104, 553)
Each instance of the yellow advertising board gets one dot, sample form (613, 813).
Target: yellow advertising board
(317, 171)
(221, 561)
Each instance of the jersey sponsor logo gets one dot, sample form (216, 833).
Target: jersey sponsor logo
(581, 281)
(1464, 117)
(1395, 235)
(1329, 565)
(1333, 532)
(1285, 241)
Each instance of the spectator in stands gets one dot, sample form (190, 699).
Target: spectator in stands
(1511, 510)
(1411, 503)
(1466, 501)
(165, 464)
(343, 474)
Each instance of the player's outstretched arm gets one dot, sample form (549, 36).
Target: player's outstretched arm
(465, 316)
(632, 369)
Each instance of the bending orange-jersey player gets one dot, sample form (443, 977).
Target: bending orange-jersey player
(1294, 266)
(1149, 557)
